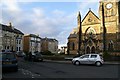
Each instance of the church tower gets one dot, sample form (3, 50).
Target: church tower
(111, 15)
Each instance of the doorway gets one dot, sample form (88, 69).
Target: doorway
(88, 50)
(93, 49)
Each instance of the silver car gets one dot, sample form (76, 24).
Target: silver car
(88, 59)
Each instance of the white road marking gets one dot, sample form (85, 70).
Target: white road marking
(27, 72)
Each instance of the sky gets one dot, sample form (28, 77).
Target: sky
(55, 19)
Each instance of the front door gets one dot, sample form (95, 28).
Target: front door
(88, 50)
(93, 49)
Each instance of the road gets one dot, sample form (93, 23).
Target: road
(62, 70)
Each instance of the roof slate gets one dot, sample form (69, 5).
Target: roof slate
(49, 39)
(8, 28)
(32, 35)
(73, 36)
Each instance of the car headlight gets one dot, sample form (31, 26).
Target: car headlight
(73, 60)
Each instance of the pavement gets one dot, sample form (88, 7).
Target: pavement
(67, 61)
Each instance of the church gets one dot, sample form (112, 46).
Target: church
(96, 34)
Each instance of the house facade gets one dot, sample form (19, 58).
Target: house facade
(49, 44)
(32, 43)
(95, 34)
(9, 37)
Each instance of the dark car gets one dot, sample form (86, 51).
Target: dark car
(34, 56)
(20, 54)
(9, 61)
(37, 56)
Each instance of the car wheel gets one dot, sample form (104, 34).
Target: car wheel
(41, 60)
(16, 69)
(77, 63)
(98, 63)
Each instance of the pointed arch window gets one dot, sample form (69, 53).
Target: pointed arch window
(90, 33)
(110, 46)
(72, 46)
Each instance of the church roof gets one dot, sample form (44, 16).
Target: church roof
(92, 15)
(72, 36)
(75, 30)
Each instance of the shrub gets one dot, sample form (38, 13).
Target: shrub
(47, 53)
(54, 57)
(62, 53)
(106, 55)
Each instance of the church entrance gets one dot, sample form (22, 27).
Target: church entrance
(88, 50)
(93, 49)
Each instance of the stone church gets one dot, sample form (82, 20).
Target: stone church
(95, 34)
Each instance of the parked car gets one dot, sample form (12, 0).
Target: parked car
(9, 61)
(38, 56)
(34, 56)
(20, 54)
(88, 59)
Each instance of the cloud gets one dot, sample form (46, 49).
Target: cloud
(38, 12)
(10, 11)
(37, 21)
(55, 24)
(84, 7)
(10, 5)
(58, 13)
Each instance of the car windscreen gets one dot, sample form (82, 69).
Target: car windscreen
(38, 54)
(85, 56)
(93, 56)
(8, 56)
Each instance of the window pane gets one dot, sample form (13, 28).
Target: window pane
(93, 56)
(85, 56)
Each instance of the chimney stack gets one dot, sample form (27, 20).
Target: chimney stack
(10, 25)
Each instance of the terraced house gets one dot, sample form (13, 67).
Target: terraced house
(32, 43)
(10, 38)
(49, 44)
(95, 34)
